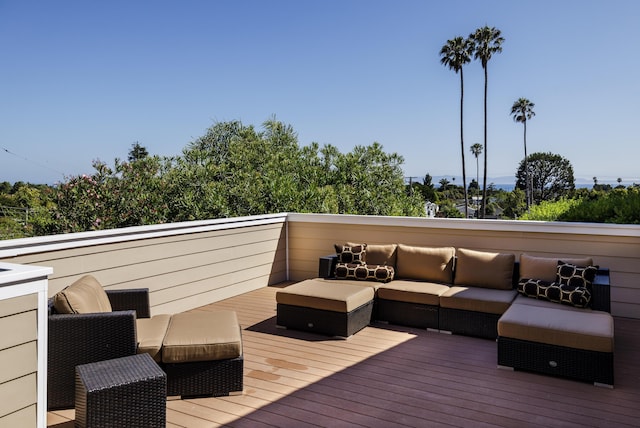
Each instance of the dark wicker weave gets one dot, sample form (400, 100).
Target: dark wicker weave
(469, 323)
(123, 392)
(86, 338)
(579, 364)
(136, 299)
(327, 266)
(342, 324)
(206, 378)
(409, 314)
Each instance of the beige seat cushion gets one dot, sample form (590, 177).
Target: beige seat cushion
(579, 329)
(545, 268)
(202, 336)
(434, 264)
(426, 293)
(486, 300)
(484, 269)
(84, 296)
(325, 295)
(151, 332)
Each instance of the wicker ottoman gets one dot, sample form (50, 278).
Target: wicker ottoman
(561, 341)
(128, 391)
(202, 354)
(324, 306)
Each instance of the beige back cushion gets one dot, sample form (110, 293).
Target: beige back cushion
(84, 296)
(484, 269)
(545, 268)
(425, 263)
(383, 255)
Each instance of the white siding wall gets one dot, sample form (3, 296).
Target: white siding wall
(18, 351)
(184, 265)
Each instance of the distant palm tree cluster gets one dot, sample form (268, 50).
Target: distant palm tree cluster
(481, 45)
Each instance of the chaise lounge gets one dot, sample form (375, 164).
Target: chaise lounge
(200, 352)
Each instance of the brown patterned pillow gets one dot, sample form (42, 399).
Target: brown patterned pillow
(575, 276)
(566, 294)
(365, 272)
(354, 254)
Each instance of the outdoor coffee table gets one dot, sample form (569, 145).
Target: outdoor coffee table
(122, 392)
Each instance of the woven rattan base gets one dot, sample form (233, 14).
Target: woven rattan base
(469, 323)
(342, 324)
(409, 314)
(579, 364)
(205, 378)
(123, 392)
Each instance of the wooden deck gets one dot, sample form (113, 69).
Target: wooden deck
(387, 376)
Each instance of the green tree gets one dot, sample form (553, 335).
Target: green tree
(522, 110)
(137, 152)
(476, 150)
(487, 41)
(249, 172)
(513, 204)
(455, 54)
(129, 194)
(550, 175)
(233, 170)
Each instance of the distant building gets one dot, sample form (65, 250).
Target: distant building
(431, 209)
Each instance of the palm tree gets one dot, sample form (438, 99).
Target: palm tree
(476, 149)
(522, 110)
(486, 41)
(454, 54)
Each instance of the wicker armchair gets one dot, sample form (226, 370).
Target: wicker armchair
(86, 338)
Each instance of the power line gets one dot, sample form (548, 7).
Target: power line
(32, 161)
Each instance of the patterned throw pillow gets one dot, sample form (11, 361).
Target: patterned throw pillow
(566, 294)
(575, 276)
(378, 273)
(353, 254)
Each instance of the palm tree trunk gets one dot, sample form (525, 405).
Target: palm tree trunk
(477, 184)
(526, 168)
(484, 181)
(464, 174)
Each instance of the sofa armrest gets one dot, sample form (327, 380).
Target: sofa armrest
(601, 291)
(76, 339)
(327, 266)
(136, 299)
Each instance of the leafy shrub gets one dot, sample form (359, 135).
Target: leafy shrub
(550, 210)
(617, 206)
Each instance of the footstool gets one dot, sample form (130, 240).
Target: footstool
(324, 306)
(122, 392)
(562, 341)
(202, 354)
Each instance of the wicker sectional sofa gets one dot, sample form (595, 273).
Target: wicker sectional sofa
(541, 321)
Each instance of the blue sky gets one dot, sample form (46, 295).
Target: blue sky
(85, 80)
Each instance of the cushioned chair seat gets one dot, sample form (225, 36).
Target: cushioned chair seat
(427, 293)
(325, 295)
(585, 329)
(151, 332)
(486, 300)
(202, 336)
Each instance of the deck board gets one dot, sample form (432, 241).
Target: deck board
(390, 376)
